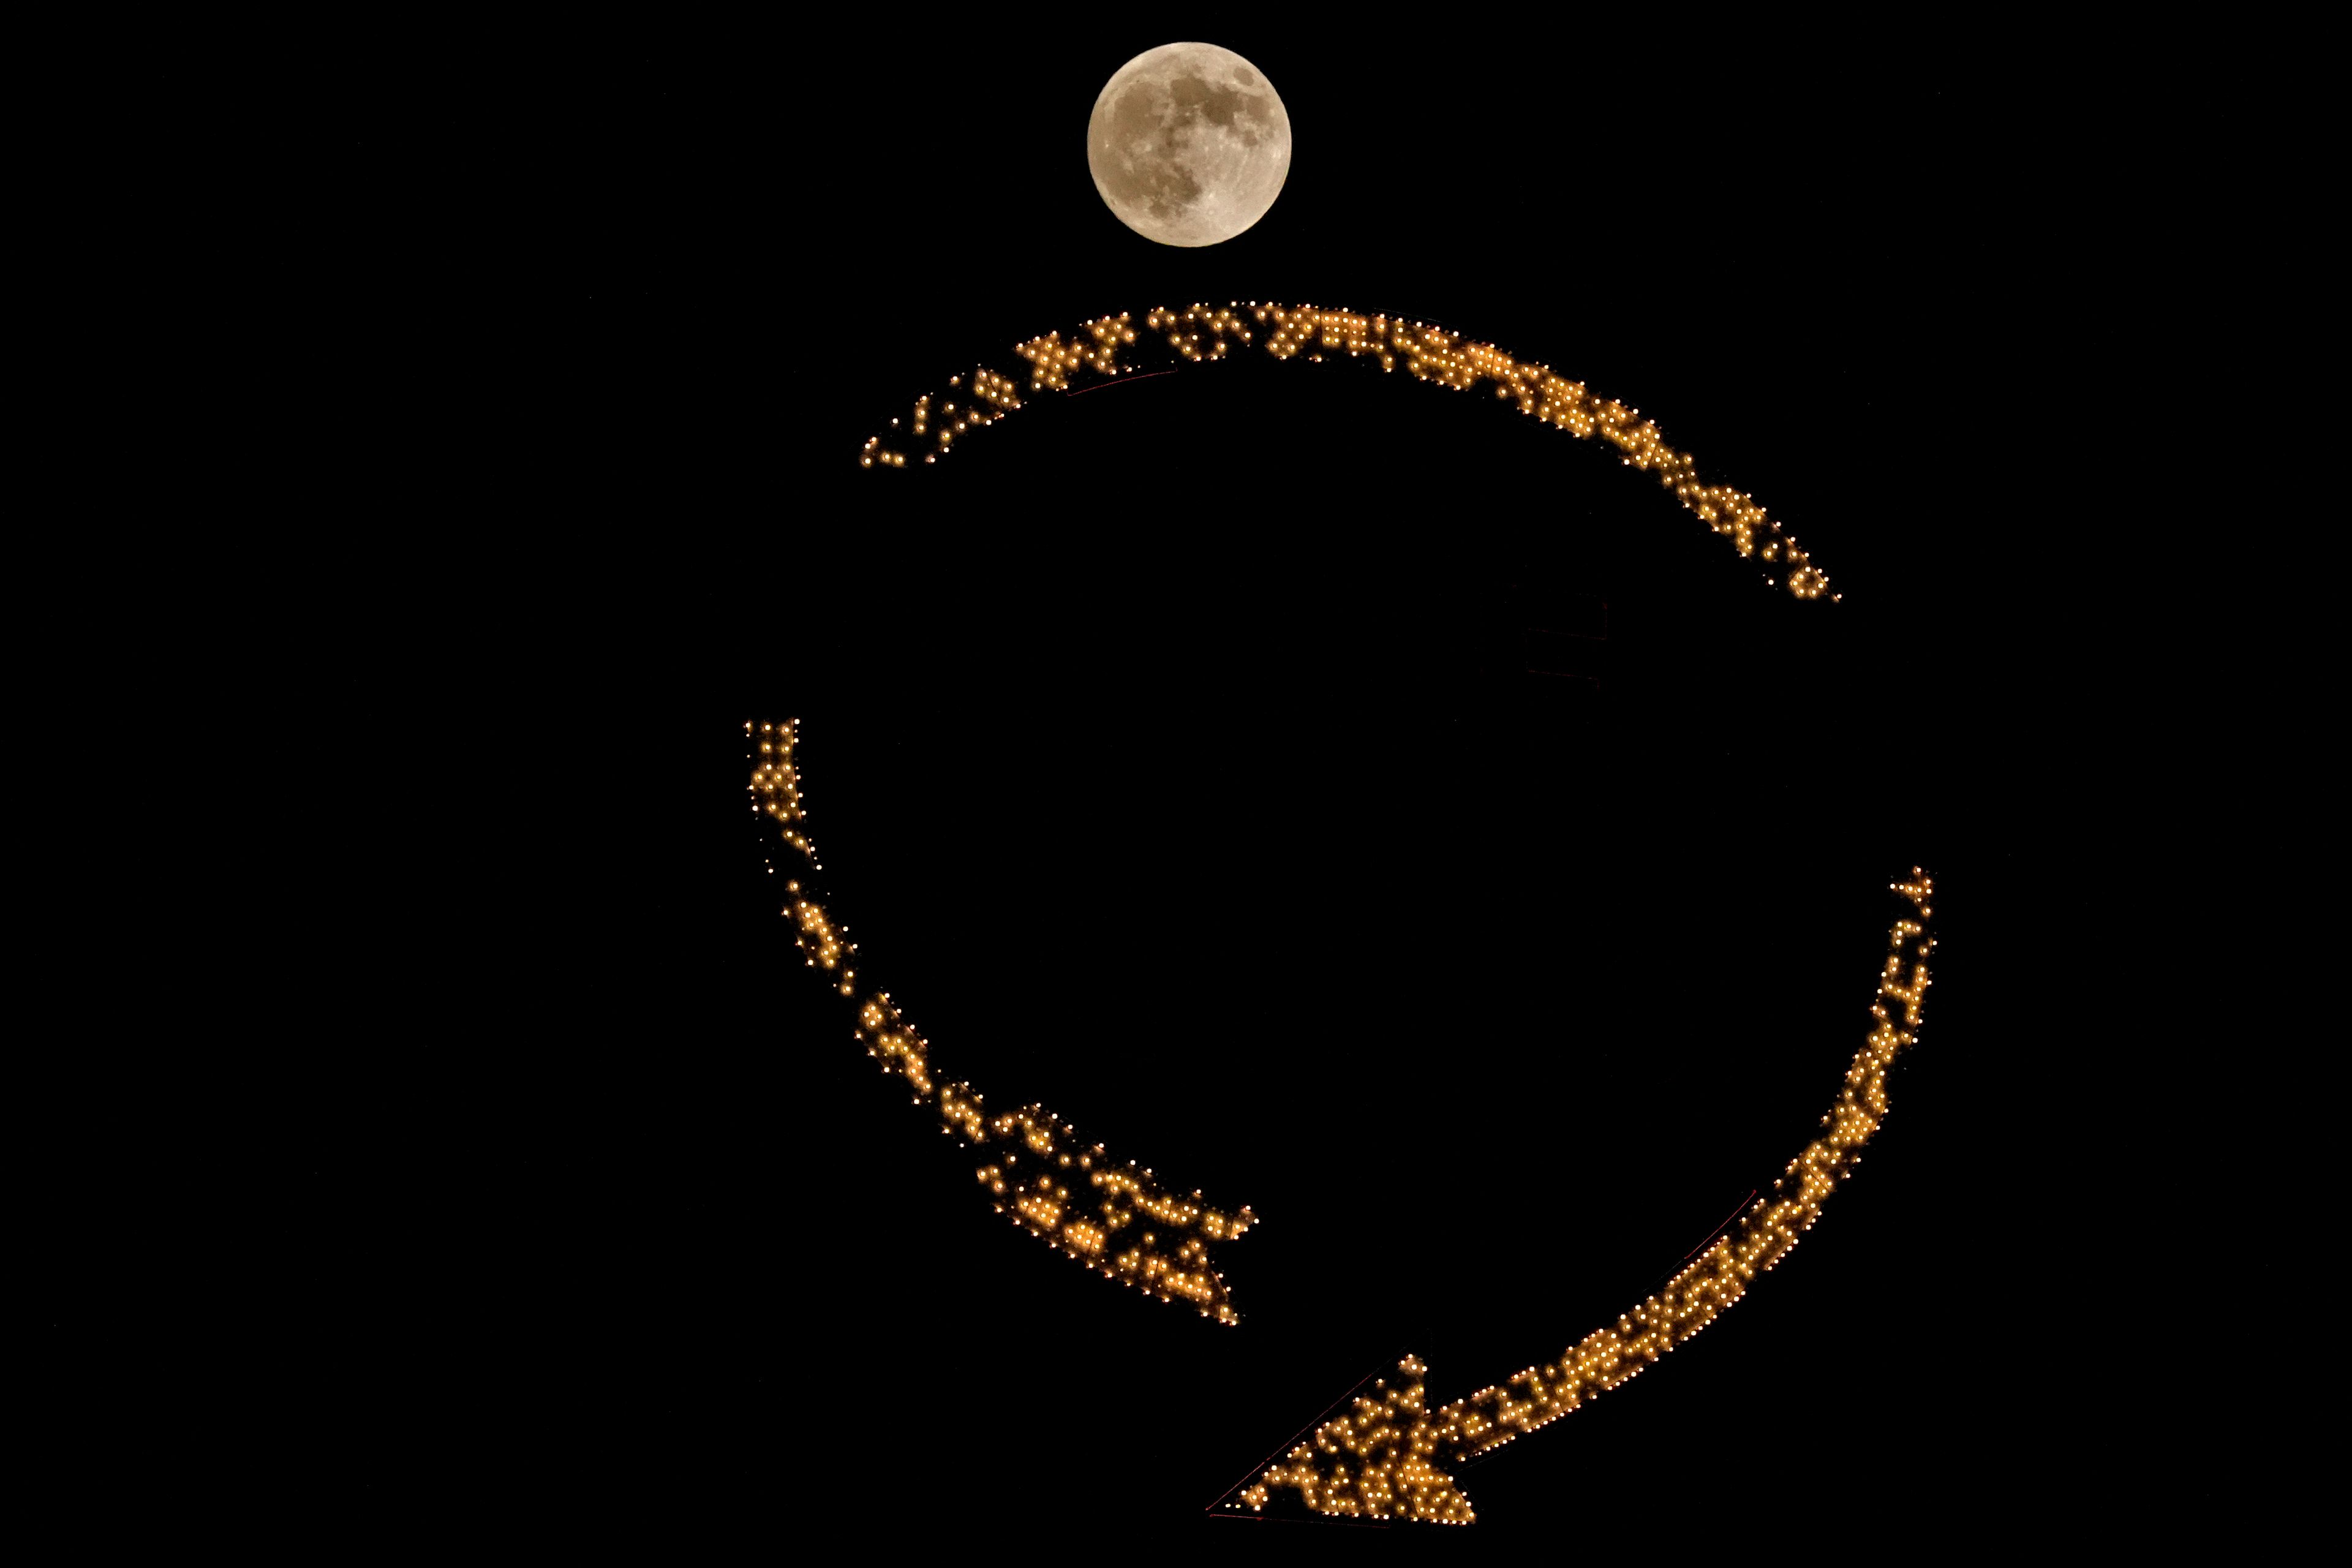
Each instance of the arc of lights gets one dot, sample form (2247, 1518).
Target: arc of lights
(1107, 348)
(1389, 1456)
(1118, 1219)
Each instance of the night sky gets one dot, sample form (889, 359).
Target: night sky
(1186, 758)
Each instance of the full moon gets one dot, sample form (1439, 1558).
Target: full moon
(1189, 144)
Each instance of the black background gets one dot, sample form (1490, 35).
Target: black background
(1177, 761)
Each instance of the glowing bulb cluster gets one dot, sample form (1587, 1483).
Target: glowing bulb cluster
(1389, 1456)
(1119, 1220)
(1203, 333)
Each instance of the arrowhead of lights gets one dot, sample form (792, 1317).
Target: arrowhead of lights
(1382, 1458)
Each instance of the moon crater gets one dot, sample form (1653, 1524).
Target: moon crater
(1189, 144)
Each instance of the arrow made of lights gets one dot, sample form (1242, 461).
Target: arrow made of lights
(1118, 1219)
(1389, 1456)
